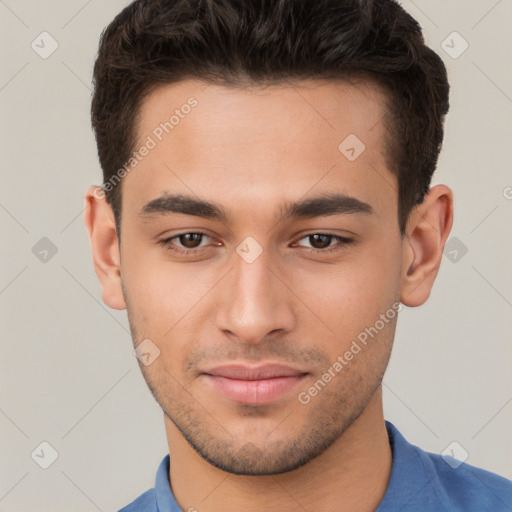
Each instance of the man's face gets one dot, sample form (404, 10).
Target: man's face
(243, 335)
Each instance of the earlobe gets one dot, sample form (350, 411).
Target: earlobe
(422, 249)
(100, 224)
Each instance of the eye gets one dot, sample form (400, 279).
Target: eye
(321, 242)
(188, 243)
(185, 242)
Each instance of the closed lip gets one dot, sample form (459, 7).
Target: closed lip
(254, 385)
(247, 372)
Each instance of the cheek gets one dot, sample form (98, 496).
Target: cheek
(166, 301)
(352, 295)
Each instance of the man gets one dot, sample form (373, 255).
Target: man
(266, 211)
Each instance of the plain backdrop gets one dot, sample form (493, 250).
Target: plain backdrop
(68, 376)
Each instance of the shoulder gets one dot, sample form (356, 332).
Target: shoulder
(462, 486)
(421, 480)
(144, 503)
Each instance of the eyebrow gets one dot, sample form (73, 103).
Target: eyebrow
(324, 205)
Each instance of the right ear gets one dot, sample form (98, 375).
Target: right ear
(100, 223)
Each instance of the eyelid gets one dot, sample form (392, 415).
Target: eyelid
(342, 241)
(169, 240)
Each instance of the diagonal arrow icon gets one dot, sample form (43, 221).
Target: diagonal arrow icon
(351, 147)
(146, 352)
(44, 45)
(454, 45)
(455, 249)
(249, 249)
(44, 455)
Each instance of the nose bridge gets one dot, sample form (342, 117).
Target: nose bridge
(255, 302)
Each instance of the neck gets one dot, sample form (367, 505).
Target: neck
(351, 475)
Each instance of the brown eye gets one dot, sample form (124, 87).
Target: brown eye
(322, 242)
(190, 240)
(185, 243)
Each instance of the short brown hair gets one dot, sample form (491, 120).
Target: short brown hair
(242, 42)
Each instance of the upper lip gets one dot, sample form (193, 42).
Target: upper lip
(246, 372)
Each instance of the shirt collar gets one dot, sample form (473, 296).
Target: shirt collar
(165, 501)
(408, 475)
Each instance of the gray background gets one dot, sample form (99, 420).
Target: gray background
(68, 375)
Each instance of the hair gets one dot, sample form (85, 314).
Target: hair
(240, 43)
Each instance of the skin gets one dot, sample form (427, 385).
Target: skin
(251, 151)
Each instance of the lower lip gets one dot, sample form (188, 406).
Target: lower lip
(254, 392)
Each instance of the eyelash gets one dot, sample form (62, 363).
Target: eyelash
(342, 241)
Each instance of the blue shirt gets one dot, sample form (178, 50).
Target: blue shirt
(420, 482)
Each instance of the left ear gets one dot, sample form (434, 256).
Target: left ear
(427, 229)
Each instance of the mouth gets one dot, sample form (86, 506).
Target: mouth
(254, 385)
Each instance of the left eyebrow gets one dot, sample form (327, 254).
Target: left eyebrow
(328, 204)
(324, 205)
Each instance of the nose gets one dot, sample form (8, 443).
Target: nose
(256, 300)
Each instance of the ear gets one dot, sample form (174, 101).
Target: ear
(427, 229)
(100, 223)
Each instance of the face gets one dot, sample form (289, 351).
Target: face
(260, 292)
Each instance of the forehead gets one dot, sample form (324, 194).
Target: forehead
(306, 108)
(255, 143)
